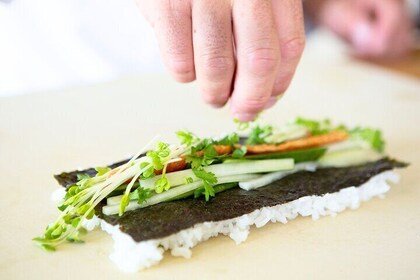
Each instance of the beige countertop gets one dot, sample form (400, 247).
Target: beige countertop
(46, 133)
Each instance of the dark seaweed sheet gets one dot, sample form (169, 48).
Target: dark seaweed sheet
(164, 219)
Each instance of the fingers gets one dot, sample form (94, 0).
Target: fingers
(213, 50)
(288, 16)
(258, 57)
(172, 25)
(392, 26)
(375, 28)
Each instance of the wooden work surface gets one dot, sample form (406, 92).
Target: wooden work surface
(409, 65)
(46, 133)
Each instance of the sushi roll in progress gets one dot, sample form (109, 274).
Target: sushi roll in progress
(174, 197)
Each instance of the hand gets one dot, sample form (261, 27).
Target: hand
(374, 28)
(245, 51)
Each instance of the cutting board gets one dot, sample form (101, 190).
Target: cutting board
(46, 133)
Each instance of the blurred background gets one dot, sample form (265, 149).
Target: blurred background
(48, 45)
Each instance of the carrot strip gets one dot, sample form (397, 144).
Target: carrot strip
(308, 142)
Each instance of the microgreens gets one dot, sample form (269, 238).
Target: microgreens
(81, 199)
(186, 138)
(259, 134)
(241, 126)
(143, 194)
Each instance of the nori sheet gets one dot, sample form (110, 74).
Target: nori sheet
(164, 219)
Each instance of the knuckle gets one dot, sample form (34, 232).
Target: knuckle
(292, 49)
(217, 67)
(281, 84)
(252, 104)
(263, 61)
(215, 98)
(181, 68)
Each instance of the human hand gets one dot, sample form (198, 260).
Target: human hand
(374, 28)
(242, 51)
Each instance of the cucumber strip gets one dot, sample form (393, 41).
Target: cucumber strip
(289, 132)
(269, 178)
(348, 144)
(224, 169)
(217, 189)
(348, 157)
(174, 192)
(312, 154)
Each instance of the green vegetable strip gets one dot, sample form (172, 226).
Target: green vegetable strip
(175, 192)
(312, 154)
(257, 166)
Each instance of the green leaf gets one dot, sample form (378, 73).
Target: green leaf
(102, 170)
(57, 232)
(83, 209)
(317, 127)
(159, 154)
(242, 126)
(228, 140)
(186, 137)
(258, 135)
(206, 176)
(82, 176)
(198, 192)
(148, 170)
(90, 214)
(75, 222)
(62, 207)
(162, 185)
(67, 219)
(239, 152)
(208, 191)
(124, 202)
(371, 136)
(47, 247)
(74, 238)
(40, 240)
(194, 161)
(143, 195)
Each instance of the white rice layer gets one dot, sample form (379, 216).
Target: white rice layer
(131, 256)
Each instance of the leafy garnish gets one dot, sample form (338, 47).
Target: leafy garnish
(315, 127)
(80, 201)
(102, 170)
(229, 140)
(186, 137)
(209, 180)
(371, 136)
(259, 134)
(242, 126)
(162, 185)
(148, 170)
(82, 176)
(143, 195)
(158, 155)
(239, 152)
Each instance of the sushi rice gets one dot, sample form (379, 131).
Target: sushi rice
(132, 256)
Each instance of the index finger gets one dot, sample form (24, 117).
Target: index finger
(258, 55)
